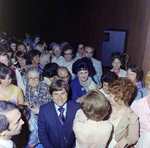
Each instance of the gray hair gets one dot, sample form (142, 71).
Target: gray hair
(34, 70)
(56, 45)
(43, 56)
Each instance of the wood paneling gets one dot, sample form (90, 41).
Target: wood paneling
(73, 20)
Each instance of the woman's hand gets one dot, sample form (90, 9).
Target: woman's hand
(121, 144)
(97, 86)
(35, 110)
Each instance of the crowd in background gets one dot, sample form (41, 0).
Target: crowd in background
(112, 108)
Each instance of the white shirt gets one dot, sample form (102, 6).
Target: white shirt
(59, 61)
(6, 143)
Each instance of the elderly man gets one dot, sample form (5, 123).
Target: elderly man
(63, 74)
(10, 123)
(44, 59)
(56, 118)
(89, 52)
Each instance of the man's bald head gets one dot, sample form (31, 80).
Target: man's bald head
(63, 74)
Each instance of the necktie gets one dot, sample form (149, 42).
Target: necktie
(61, 116)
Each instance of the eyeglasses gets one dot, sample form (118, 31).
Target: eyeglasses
(35, 79)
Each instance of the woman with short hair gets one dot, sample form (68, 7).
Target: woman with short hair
(135, 74)
(117, 60)
(37, 91)
(84, 80)
(89, 127)
(105, 80)
(9, 92)
(50, 72)
(57, 58)
(68, 54)
(33, 58)
(124, 120)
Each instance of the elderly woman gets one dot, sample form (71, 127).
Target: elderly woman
(57, 58)
(135, 74)
(33, 58)
(105, 80)
(141, 107)
(8, 91)
(124, 120)
(50, 72)
(37, 91)
(84, 81)
(90, 129)
(68, 54)
(117, 60)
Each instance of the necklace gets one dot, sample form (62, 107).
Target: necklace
(117, 114)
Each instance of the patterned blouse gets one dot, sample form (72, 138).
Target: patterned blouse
(41, 96)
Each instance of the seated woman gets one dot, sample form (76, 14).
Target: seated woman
(37, 91)
(57, 58)
(105, 80)
(5, 60)
(33, 58)
(117, 60)
(68, 54)
(91, 131)
(83, 82)
(50, 72)
(135, 74)
(124, 120)
(141, 107)
(8, 91)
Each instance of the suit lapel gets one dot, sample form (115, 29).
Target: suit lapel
(51, 117)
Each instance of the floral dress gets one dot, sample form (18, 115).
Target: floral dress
(40, 96)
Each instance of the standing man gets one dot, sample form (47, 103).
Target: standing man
(10, 123)
(89, 52)
(79, 47)
(56, 118)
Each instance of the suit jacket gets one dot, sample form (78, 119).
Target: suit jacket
(128, 127)
(47, 125)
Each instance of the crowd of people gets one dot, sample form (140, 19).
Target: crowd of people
(59, 97)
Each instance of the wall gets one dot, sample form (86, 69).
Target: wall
(73, 20)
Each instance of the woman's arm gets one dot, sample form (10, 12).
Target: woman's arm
(132, 132)
(20, 98)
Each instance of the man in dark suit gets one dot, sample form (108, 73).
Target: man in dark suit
(55, 119)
